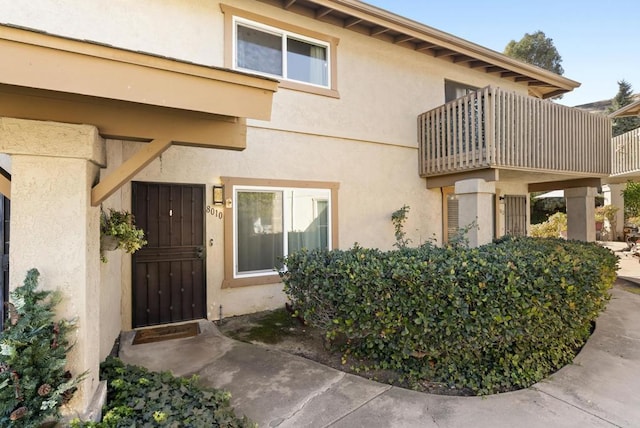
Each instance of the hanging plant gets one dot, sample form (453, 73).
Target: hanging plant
(119, 226)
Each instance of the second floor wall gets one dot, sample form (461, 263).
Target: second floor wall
(380, 88)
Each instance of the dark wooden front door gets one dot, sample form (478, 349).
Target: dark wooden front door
(169, 272)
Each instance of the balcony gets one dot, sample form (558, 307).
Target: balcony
(501, 130)
(626, 155)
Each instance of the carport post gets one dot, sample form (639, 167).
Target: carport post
(55, 229)
(581, 221)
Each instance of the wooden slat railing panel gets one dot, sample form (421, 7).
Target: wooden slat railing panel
(626, 153)
(496, 128)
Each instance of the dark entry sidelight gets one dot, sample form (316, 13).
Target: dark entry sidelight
(515, 215)
(169, 272)
(5, 213)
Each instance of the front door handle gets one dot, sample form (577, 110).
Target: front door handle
(200, 252)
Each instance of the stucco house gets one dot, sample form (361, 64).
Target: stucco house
(625, 157)
(311, 121)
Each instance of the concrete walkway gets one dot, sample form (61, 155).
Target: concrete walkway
(274, 389)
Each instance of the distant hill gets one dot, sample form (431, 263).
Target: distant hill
(601, 106)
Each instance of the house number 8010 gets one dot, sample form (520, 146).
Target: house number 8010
(213, 211)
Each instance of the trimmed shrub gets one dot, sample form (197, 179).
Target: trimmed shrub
(137, 397)
(553, 227)
(494, 318)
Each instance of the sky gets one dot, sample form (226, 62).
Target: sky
(599, 40)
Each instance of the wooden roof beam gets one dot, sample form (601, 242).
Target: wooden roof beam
(509, 74)
(323, 11)
(538, 83)
(553, 94)
(441, 53)
(402, 38)
(461, 59)
(494, 69)
(525, 79)
(288, 3)
(370, 18)
(534, 92)
(351, 21)
(376, 31)
(478, 64)
(564, 184)
(425, 46)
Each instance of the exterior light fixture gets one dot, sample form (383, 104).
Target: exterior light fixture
(218, 195)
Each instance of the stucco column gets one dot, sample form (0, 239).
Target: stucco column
(475, 204)
(55, 229)
(581, 223)
(613, 196)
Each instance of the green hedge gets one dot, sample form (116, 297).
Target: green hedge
(493, 318)
(138, 398)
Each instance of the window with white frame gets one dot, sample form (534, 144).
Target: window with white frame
(272, 222)
(454, 90)
(271, 51)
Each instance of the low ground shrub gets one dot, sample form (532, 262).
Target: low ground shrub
(137, 397)
(553, 227)
(494, 318)
(34, 382)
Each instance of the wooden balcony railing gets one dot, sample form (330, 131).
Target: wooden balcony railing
(626, 153)
(493, 128)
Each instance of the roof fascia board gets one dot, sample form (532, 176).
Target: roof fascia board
(445, 40)
(632, 109)
(48, 62)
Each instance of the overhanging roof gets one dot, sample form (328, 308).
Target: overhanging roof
(383, 25)
(632, 109)
(126, 94)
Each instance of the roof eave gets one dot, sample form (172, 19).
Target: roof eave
(632, 109)
(545, 84)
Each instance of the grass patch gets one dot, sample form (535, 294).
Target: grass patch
(269, 327)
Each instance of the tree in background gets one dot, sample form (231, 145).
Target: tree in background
(543, 208)
(536, 49)
(623, 98)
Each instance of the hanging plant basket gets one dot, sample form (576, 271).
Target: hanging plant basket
(118, 230)
(108, 243)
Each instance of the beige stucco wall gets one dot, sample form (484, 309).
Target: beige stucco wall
(371, 73)
(383, 88)
(366, 140)
(140, 25)
(5, 162)
(111, 272)
(375, 180)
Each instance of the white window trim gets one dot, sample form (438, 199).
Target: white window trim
(283, 34)
(286, 218)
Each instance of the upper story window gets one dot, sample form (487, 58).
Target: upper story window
(279, 53)
(300, 58)
(455, 90)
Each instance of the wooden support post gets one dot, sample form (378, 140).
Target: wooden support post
(127, 170)
(5, 186)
